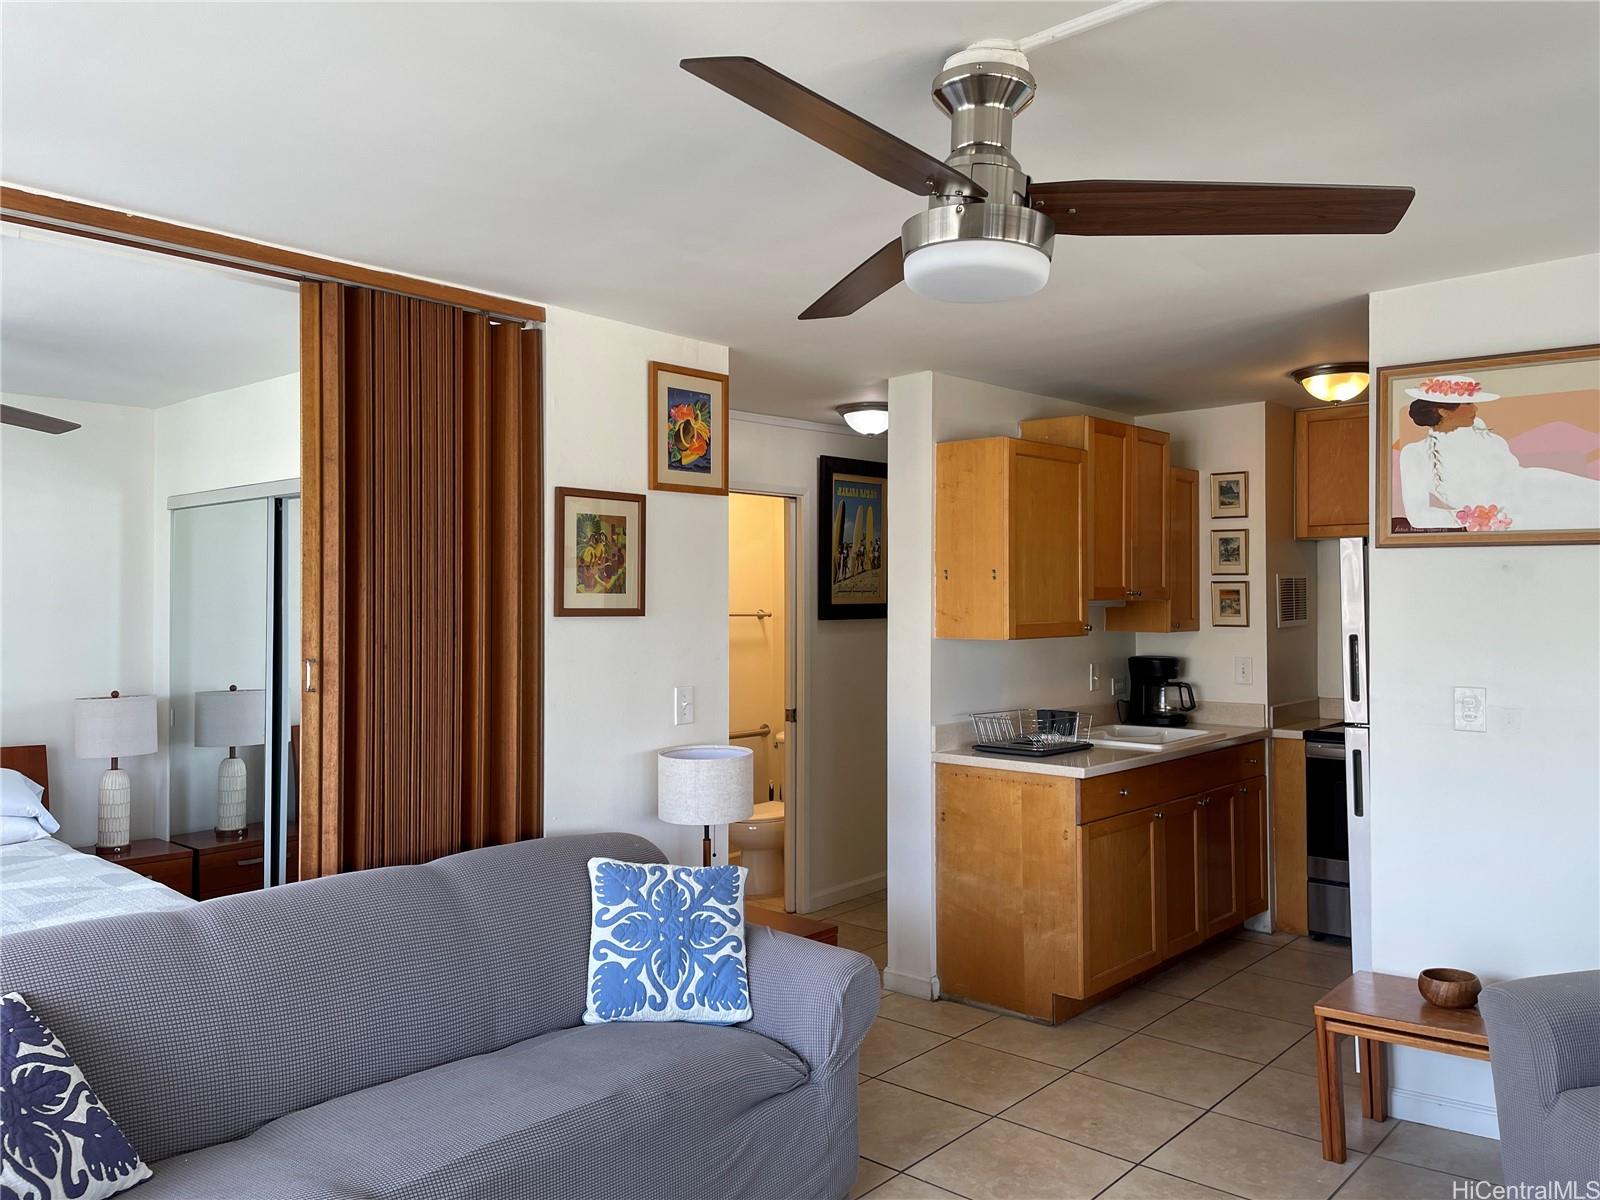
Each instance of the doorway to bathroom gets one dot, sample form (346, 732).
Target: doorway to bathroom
(764, 623)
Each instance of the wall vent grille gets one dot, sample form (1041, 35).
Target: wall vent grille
(1293, 601)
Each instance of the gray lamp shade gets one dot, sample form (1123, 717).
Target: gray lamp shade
(113, 726)
(705, 785)
(231, 718)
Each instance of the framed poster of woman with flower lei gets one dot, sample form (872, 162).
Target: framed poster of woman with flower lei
(1490, 451)
(688, 430)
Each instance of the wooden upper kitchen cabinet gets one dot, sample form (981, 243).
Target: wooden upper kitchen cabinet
(1008, 540)
(1331, 457)
(1126, 508)
(1180, 611)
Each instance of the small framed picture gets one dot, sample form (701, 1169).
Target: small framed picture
(852, 572)
(599, 553)
(1230, 552)
(688, 430)
(1230, 603)
(1230, 493)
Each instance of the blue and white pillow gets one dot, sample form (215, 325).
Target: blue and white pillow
(59, 1142)
(666, 944)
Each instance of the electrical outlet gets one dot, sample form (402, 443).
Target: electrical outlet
(683, 705)
(1472, 709)
(1094, 677)
(1244, 669)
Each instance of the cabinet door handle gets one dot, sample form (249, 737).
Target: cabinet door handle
(1087, 628)
(1122, 791)
(1161, 816)
(1243, 789)
(250, 862)
(1204, 800)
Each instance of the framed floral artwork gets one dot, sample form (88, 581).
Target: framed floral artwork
(1230, 493)
(1230, 603)
(599, 553)
(688, 430)
(852, 569)
(1503, 450)
(1230, 552)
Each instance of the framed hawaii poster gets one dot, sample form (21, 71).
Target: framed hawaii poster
(688, 430)
(852, 564)
(1502, 450)
(599, 553)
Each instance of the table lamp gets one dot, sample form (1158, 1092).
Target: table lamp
(705, 786)
(114, 726)
(232, 719)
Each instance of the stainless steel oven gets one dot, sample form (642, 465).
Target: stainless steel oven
(1327, 834)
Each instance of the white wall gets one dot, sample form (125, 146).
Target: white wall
(1485, 846)
(843, 683)
(1291, 651)
(76, 590)
(609, 680)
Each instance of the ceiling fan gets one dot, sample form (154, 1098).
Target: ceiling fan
(989, 230)
(26, 418)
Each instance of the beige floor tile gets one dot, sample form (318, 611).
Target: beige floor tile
(889, 1043)
(1286, 1101)
(1247, 1160)
(1001, 1161)
(771, 902)
(1227, 1031)
(1065, 1045)
(1319, 970)
(834, 911)
(880, 894)
(1301, 1058)
(1229, 953)
(1104, 1116)
(941, 1016)
(975, 1076)
(1267, 997)
(897, 1127)
(1188, 979)
(906, 1187)
(868, 1176)
(1133, 1009)
(1385, 1179)
(859, 937)
(879, 955)
(1169, 1069)
(1444, 1150)
(1264, 939)
(1305, 945)
(1142, 1183)
(874, 915)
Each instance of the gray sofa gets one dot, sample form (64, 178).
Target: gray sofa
(415, 1032)
(1544, 1053)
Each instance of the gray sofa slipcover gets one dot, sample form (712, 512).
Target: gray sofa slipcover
(416, 1033)
(1544, 1053)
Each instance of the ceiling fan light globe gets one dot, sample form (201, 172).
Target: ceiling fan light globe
(1333, 383)
(977, 271)
(870, 419)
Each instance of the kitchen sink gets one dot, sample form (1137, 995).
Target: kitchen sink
(1144, 737)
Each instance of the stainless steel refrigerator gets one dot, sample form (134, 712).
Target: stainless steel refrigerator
(1357, 765)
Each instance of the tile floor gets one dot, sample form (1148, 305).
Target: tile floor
(1198, 1085)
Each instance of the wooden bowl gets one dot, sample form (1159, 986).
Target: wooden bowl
(1447, 987)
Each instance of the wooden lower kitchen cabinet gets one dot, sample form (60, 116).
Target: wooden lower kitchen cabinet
(1050, 894)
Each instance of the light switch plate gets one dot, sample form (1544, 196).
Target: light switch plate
(1094, 677)
(1472, 709)
(683, 705)
(1244, 669)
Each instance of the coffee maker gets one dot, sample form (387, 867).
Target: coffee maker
(1156, 696)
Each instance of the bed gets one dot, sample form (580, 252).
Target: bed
(47, 882)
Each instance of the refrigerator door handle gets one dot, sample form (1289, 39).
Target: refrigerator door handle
(1353, 686)
(1357, 789)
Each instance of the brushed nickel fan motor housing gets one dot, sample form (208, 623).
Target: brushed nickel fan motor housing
(978, 221)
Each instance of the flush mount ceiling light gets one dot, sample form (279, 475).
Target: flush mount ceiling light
(870, 418)
(1333, 383)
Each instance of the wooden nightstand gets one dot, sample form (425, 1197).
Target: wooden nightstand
(165, 862)
(226, 865)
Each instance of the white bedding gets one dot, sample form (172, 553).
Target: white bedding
(47, 882)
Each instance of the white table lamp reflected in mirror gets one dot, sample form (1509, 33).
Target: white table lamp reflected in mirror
(232, 718)
(705, 786)
(114, 727)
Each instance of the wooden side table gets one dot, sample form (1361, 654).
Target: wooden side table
(165, 862)
(817, 931)
(1379, 1010)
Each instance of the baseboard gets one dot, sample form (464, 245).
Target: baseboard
(911, 985)
(851, 890)
(1444, 1112)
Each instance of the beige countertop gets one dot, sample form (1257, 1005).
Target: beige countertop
(1297, 729)
(1105, 760)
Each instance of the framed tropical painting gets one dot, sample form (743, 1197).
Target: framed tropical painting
(1230, 493)
(688, 430)
(852, 566)
(1502, 450)
(1230, 603)
(1230, 552)
(599, 553)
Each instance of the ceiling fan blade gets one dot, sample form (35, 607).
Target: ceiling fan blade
(24, 418)
(825, 123)
(1141, 208)
(866, 283)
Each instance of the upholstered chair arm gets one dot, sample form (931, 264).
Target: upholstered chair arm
(816, 999)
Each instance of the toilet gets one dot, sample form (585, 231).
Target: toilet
(759, 846)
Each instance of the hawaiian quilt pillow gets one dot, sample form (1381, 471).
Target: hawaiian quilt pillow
(59, 1141)
(666, 944)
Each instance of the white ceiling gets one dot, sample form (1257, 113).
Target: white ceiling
(83, 320)
(555, 151)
